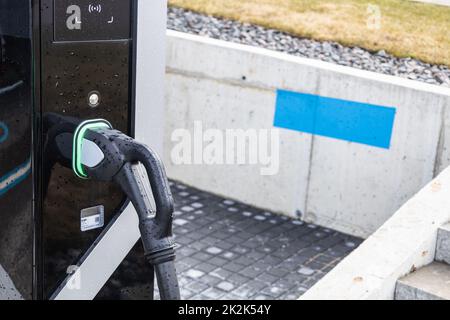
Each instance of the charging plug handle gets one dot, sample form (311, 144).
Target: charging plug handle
(122, 153)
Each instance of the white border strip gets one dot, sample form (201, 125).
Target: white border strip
(103, 259)
(8, 290)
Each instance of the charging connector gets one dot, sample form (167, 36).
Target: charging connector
(96, 151)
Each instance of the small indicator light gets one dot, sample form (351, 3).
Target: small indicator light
(94, 99)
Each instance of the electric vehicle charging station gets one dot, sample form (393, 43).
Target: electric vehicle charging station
(78, 79)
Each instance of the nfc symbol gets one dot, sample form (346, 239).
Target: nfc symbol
(95, 8)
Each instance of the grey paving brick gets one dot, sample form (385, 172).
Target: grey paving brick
(273, 291)
(293, 294)
(205, 267)
(305, 271)
(186, 251)
(234, 240)
(230, 296)
(244, 261)
(252, 271)
(309, 283)
(182, 231)
(296, 278)
(214, 250)
(284, 284)
(244, 235)
(324, 259)
(184, 240)
(191, 262)
(291, 264)
(290, 296)
(279, 272)
(195, 236)
(194, 273)
(443, 244)
(329, 268)
(308, 253)
(238, 279)
(267, 278)
(217, 261)
(313, 264)
(199, 297)
(224, 245)
(221, 273)
(233, 267)
(182, 266)
(256, 284)
(261, 297)
(283, 254)
(229, 255)
(241, 249)
(186, 293)
(183, 281)
(270, 260)
(199, 245)
(197, 287)
(210, 280)
(202, 256)
(334, 253)
(319, 275)
(245, 291)
(226, 286)
(255, 255)
(213, 293)
(220, 235)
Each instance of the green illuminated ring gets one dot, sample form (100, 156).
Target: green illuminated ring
(78, 139)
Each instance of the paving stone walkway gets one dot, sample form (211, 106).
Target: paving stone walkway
(228, 250)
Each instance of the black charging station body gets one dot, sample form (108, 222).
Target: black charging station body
(73, 58)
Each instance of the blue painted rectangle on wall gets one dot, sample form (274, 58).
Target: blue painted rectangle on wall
(341, 119)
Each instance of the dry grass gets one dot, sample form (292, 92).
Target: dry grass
(407, 29)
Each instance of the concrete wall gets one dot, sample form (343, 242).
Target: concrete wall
(404, 243)
(350, 187)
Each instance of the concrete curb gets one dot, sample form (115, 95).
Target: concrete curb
(406, 242)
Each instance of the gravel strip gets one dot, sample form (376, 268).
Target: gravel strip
(244, 33)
